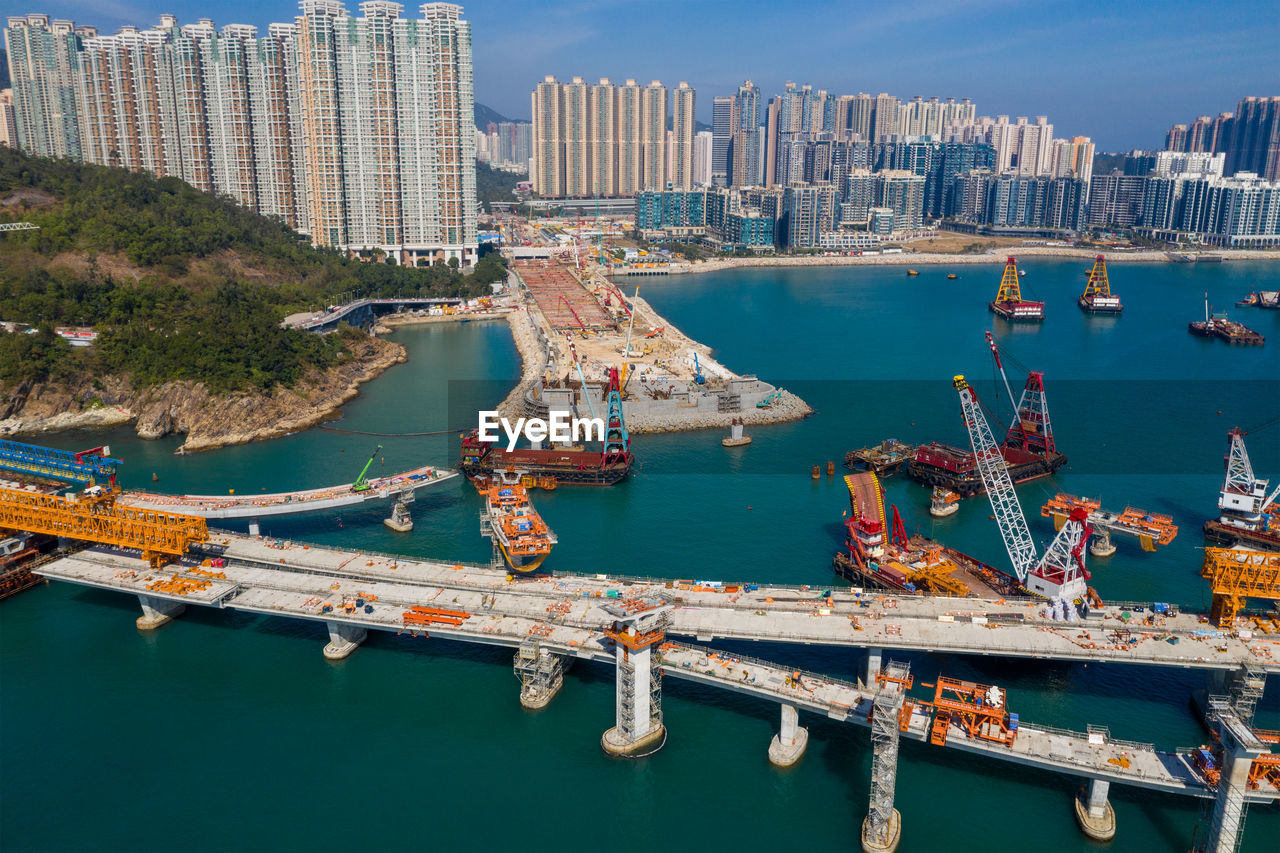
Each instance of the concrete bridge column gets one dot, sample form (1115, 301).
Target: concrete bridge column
(1229, 806)
(873, 668)
(639, 730)
(790, 742)
(157, 612)
(343, 640)
(1095, 815)
(255, 527)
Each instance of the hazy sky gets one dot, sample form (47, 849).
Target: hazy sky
(1120, 72)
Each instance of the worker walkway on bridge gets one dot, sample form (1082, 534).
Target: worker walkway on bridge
(575, 628)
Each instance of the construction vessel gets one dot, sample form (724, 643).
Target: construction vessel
(1218, 326)
(1249, 516)
(1097, 297)
(1150, 529)
(1261, 299)
(911, 564)
(943, 502)
(1009, 303)
(17, 554)
(610, 464)
(884, 459)
(519, 534)
(1028, 448)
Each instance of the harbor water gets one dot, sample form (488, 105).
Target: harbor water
(227, 731)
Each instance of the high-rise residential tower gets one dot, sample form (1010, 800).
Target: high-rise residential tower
(43, 65)
(653, 135)
(683, 129)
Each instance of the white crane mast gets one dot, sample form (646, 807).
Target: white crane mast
(995, 477)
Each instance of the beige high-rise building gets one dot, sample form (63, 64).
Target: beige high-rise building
(577, 135)
(548, 150)
(1072, 158)
(604, 143)
(606, 139)
(653, 136)
(8, 127)
(683, 128)
(884, 117)
(630, 153)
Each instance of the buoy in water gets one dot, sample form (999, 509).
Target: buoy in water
(155, 478)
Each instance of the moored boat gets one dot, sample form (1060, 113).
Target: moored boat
(517, 530)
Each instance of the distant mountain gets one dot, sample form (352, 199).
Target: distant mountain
(484, 115)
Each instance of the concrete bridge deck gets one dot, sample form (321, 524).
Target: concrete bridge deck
(1013, 627)
(510, 618)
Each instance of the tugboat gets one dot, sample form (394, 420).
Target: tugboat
(952, 275)
(913, 272)
(1218, 326)
(518, 532)
(943, 503)
(1261, 299)
(1097, 297)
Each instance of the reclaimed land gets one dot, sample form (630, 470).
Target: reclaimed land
(186, 292)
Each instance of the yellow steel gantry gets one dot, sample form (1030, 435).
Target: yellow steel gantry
(94, 517)
(1098, 284)
(1235, 575)
(1010, 286)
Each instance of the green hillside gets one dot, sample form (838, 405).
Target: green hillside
(179, 283)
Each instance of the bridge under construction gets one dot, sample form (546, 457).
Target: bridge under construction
(553, 620)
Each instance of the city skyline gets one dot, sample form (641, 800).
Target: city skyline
(1183, 65)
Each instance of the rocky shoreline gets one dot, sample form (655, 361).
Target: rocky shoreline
(188, 408)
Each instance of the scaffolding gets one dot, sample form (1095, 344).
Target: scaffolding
(541, 673)
(93, 516)
(881, 825)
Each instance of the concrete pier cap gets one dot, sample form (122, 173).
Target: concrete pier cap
(789, 744)
(614, 743)
(870, 845)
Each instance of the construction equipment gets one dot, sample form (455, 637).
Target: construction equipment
(93, 516)
(979, 710)
(1149, 529)
(84, 468)
(1249, 515)
(768, 401)
(581, 326)
(883, 824)
(361, 484)
(1236, 575)
(1097, 297)
(617, 441)
(1061, 573)
(697, 371)
(1009, 303)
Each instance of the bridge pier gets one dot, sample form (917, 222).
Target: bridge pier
(882, 827)
(1240, 746)
(255, 527)
(541, 674)
(873, 667)
(157, 612)
(343, 640)
(1094, 813)
(789, 743)
(638, 707)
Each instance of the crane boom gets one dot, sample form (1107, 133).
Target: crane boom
(995, 477)
(361, 484)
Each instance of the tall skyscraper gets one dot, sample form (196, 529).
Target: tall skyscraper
(604, 145)
(683, 128)
(1255, 138)
(548, 152)
(43, 65)
(1072, 158)
(653, 135)
(723, 124)
(577, 133)
(744, 151)
(703, 154)
(884, 117)
(388, 119)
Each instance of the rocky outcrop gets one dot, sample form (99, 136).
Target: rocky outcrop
(188, 408)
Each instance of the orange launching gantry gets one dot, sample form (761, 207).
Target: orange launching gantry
(978, 709)
(1237, 575)
(93, 516)
(1150, 529)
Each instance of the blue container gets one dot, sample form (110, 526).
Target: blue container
(1160, 607)
(359, 602)
(1013, 722)
(368, 608)
(752, 587)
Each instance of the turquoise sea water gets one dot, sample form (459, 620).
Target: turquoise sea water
(227, 732)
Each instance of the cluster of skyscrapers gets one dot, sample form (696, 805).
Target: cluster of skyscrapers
(1249, 138)
(506, 144)
(358, 131)
(607, 139)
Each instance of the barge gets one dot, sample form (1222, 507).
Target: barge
(1097, 297)
(1009, 303)
(1218, 326)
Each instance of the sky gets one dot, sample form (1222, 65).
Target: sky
(1120, 72)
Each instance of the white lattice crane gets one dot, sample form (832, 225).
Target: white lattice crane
(1244, 497)
(1061, 573)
